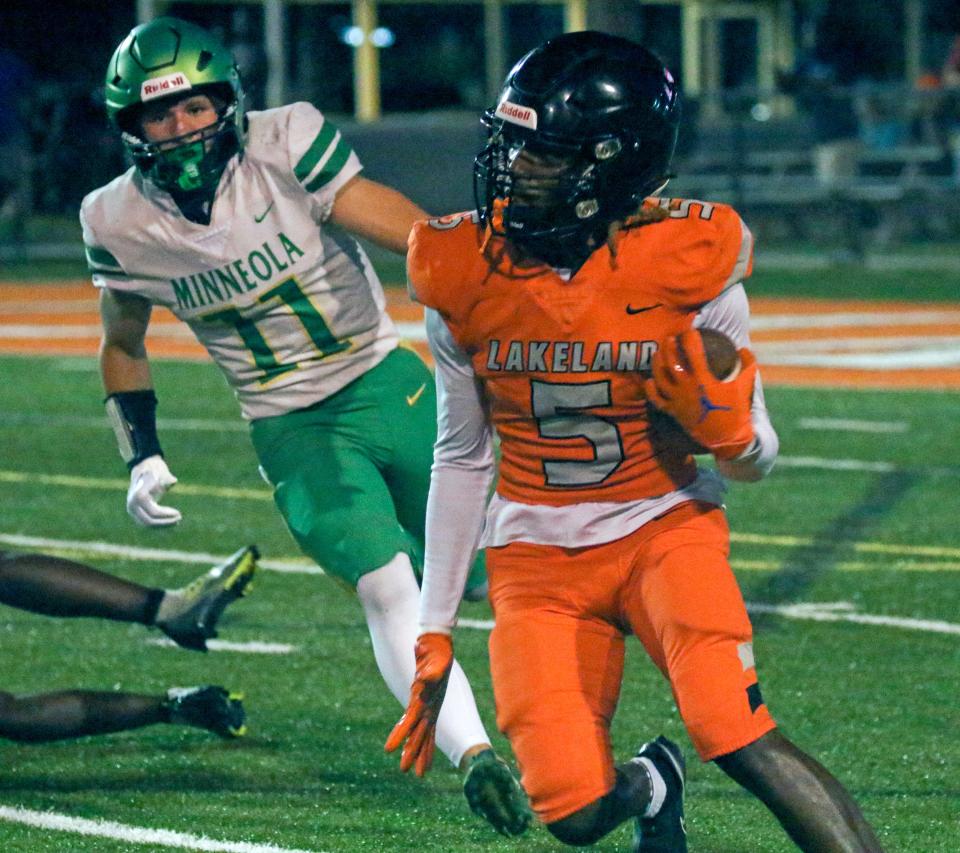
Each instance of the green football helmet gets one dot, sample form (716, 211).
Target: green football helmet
(168, 57)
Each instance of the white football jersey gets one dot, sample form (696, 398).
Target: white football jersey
(286, 303)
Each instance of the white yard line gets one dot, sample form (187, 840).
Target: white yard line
(134, 834)
(859, 344)
(828, 611)
(109, 484)
(235, 493)
(252, 647)
(166, 424)
(792, 611)
(910, 358)
(889, 352)
(476, 624)
(812, 611)
(415, 329)
(294, 565)
(851, 425)
(300, 566)
(842, 611)
(853, 566)
(83, 331)
(238, 426)
(892, 549)
(160, 555)
(835, 464)
(854, 319)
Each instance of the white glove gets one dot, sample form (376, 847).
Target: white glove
(149, 481)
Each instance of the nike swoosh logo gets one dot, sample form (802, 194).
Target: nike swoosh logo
(263, 215)
(412, 398)
(632, 310)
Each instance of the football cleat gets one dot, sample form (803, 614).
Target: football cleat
(189, 615)
(494, 794)
(665, 832)
(212, 708)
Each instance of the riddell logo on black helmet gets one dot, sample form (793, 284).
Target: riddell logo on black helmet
(524, 116)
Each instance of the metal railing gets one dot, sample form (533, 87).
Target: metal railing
(900, 150)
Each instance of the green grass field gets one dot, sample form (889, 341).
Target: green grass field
(869, 686)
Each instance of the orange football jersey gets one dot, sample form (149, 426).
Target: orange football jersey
(561, 361)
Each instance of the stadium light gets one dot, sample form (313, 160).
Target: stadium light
(380, 37)
(352, 36)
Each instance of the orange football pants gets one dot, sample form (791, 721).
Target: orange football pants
(557, 649)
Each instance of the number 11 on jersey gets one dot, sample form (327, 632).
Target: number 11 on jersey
(290, 294)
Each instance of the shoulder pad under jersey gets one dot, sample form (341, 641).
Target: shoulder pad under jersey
(694, 254)
(301, 140)
(444, 259)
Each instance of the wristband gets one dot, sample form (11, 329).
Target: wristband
(133, 417)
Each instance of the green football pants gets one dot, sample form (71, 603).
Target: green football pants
(351, 473)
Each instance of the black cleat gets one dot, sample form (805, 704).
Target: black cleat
(494, 794)
(665, 832)
(190, 616)
(212, 708)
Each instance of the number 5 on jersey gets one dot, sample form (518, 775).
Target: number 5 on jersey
(558, 406)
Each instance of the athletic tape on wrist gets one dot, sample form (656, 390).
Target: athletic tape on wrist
(133, 417)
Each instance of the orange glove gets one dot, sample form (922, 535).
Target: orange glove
(714, 413)
(418, 724)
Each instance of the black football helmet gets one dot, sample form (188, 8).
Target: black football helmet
(583, 130)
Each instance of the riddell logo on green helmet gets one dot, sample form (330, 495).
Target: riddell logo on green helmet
(160, 86)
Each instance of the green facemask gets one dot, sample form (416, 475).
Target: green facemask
(187, 160)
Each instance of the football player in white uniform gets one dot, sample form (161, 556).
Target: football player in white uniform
(243, 225)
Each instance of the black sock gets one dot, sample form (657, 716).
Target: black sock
(152, 605)
(628, 798)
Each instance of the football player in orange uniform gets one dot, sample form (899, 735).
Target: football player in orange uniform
(563, 316)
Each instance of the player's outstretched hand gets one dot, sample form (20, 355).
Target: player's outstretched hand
(714, 412)
(149, 481)
(416, 729)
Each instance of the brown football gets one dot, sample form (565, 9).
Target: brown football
(722, 356)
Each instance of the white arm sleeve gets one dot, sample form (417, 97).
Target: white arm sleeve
(463, 466)
(730, 313)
